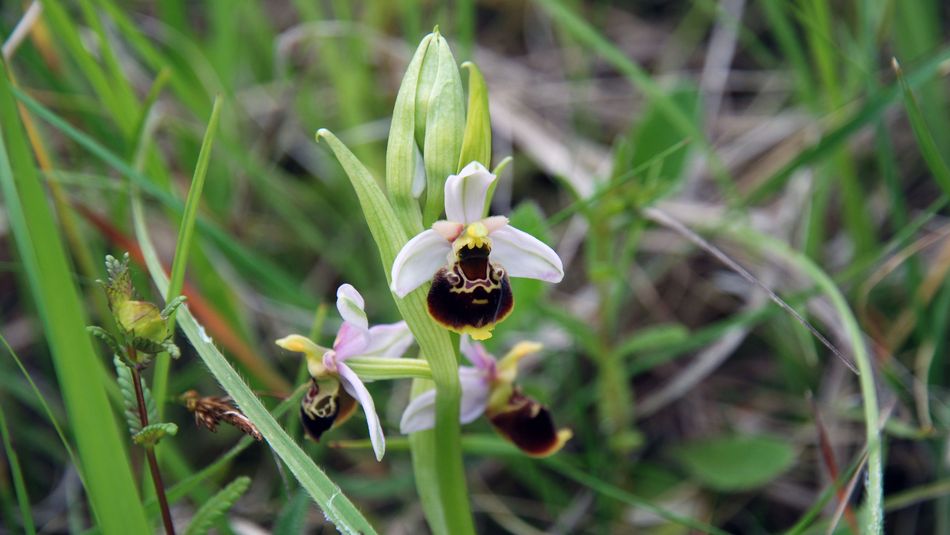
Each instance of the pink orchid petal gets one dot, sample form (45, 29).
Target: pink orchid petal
(350, 340)
(476, 354)
(388, 341)
(355, 387)
(450, 230)
(420, 413)
(418, 261)
(523, 255)
(494, 223)
(465, 193)
(475, 392)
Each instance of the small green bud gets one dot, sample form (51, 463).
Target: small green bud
(142, 319)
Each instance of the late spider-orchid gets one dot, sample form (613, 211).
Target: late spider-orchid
(469, 258)
(334, 387)
(488, 386)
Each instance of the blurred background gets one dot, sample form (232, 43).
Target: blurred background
(688, 391)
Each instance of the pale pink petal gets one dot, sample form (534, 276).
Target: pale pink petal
(355, 387)
(475, 392)
(523, 255)
(388, 341)
(350, 340)
(465, 193)
(494, 223)
(448, 229)
(350, 304)
(476, 354)
(419, 414)
(418, 261)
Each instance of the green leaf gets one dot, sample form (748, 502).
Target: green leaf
(219, 504)
(444, 128)
(476, 141)
(130, 400)
(925, 140)
(108, 477)
(292, 518)
(648, 140)
(329, 497)
(151, 434)
(735, 463)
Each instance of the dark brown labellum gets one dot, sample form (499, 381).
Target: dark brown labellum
(527, 424)
(471, 295)
(320, 410)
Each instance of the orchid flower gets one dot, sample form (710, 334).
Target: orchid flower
(469, 258)
(335, 388)
(488, 387)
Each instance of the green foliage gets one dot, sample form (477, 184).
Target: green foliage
(151, 434)
(215, 508)
(108, 479)
(735, 463)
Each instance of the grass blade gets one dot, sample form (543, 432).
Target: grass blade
(109, 481)
(22, 498)
(185, 233)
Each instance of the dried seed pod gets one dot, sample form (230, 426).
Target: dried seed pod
(211, 410)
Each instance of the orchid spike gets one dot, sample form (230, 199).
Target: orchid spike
(469, 258)
(334, 387)
(488, 387)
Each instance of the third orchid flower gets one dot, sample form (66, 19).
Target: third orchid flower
(335, 388)
(469, 258)
(488, 388)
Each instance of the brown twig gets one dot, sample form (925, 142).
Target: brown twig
(150, 451)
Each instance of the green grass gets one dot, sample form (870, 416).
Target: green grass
(824, 172)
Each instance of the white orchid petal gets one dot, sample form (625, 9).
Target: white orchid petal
(388, 341)
(476, 354)
(355, 387)
(475, 393)
(418, 261)
(465, 193)
(350, 304)
(419, 414)
(523, 255)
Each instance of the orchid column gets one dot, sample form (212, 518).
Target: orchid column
(429, 140)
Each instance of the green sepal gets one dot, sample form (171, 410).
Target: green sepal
(444, 128)
(476, 141)
(172, 306)
(401, 150)
(151, 434)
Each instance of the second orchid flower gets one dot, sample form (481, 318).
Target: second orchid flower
(469, 259)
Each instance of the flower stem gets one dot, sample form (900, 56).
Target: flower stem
(379, 368)
(149, 451)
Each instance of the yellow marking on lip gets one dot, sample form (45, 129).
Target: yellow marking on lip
(480, 301)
